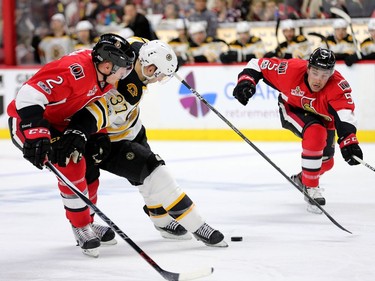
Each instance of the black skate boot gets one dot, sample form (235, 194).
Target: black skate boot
(174, 230)
(87, 240)
(105, 234)
(210, 236)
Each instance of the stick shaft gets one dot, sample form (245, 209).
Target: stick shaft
(259, 151)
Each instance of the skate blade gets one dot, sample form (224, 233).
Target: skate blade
(313, 209)
(221, 244)
(94, 253)
(108, 243)
(166, 235)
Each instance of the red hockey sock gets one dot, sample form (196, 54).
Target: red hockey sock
(313, 143)
(327, 165)
(93, 195)
(76, 210)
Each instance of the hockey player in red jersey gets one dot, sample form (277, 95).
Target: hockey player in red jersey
(128, 153)
(314, 101)
(39, 122)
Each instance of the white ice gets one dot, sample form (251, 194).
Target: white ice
(236, 191)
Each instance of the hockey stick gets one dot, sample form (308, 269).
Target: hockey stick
(259, 151)
(323, 38)
(166, 274)
(363, 162)
(348, 19)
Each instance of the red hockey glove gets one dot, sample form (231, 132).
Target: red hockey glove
(349, 146)
(70, 146)
(244, 89)
(37, 143)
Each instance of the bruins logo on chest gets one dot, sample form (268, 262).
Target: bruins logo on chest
(132, 89)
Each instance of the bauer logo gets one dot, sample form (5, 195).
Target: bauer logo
(190, 102)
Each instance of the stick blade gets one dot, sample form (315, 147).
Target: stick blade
(196, 274)
(341, 14)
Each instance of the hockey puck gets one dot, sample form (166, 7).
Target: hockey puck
(236, 238)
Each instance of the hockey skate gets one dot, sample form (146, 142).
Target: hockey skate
(105, 234)
(210, 236)
(313, 192)
(174, 230)
(87, 240)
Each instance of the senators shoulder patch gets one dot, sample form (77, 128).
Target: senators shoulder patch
(282, 67)
(77, 71)
(344, 85)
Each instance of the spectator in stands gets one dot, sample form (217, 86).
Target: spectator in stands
(180, 44)
(85, 35)
(340, 42)
(171, 11)
(245, 47)
(56, 44)
(256, 10)
(107, 13)
(202, 14)
(295, 46)
(137, 22)
(313, 9)
(367, 46)
(270, 11)
(224, 13)
(203, 48)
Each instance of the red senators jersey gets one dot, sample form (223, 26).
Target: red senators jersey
(333, 103)
(61, 87)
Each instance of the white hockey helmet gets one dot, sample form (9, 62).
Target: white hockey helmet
(84, 25)
(182, 24)
(371, 24)
(243, 27)
(287, 24)
(160, 54)
(339, 23)
(197, 27)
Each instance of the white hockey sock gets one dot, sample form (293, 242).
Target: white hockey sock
(160, 188)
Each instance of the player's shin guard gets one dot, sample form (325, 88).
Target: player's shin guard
(327, 165)
(77, 211)
(313, 143)
(161, 189)
(93, 190)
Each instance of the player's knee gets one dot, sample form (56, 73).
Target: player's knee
(315, 135)
(153, 161)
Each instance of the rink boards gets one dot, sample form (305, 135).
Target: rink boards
(172, 112)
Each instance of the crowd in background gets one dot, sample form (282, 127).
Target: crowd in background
(48, 29)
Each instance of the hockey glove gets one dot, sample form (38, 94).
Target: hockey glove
(349, 146)
(70, 146)
(98, 147)
(37, 143)
(244, 89)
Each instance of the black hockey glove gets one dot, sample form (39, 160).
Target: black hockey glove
(98, 147)
(244, 89)
(71, 145)
(349, 146)
(37, 143)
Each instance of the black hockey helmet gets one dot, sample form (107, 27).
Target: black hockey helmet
(322, 58)
(113, 48)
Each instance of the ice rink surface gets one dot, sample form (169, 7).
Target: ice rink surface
(235, 189)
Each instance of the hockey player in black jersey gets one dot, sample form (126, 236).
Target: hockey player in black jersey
(128, 153)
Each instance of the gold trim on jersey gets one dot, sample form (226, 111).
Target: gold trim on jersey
(99, 110)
